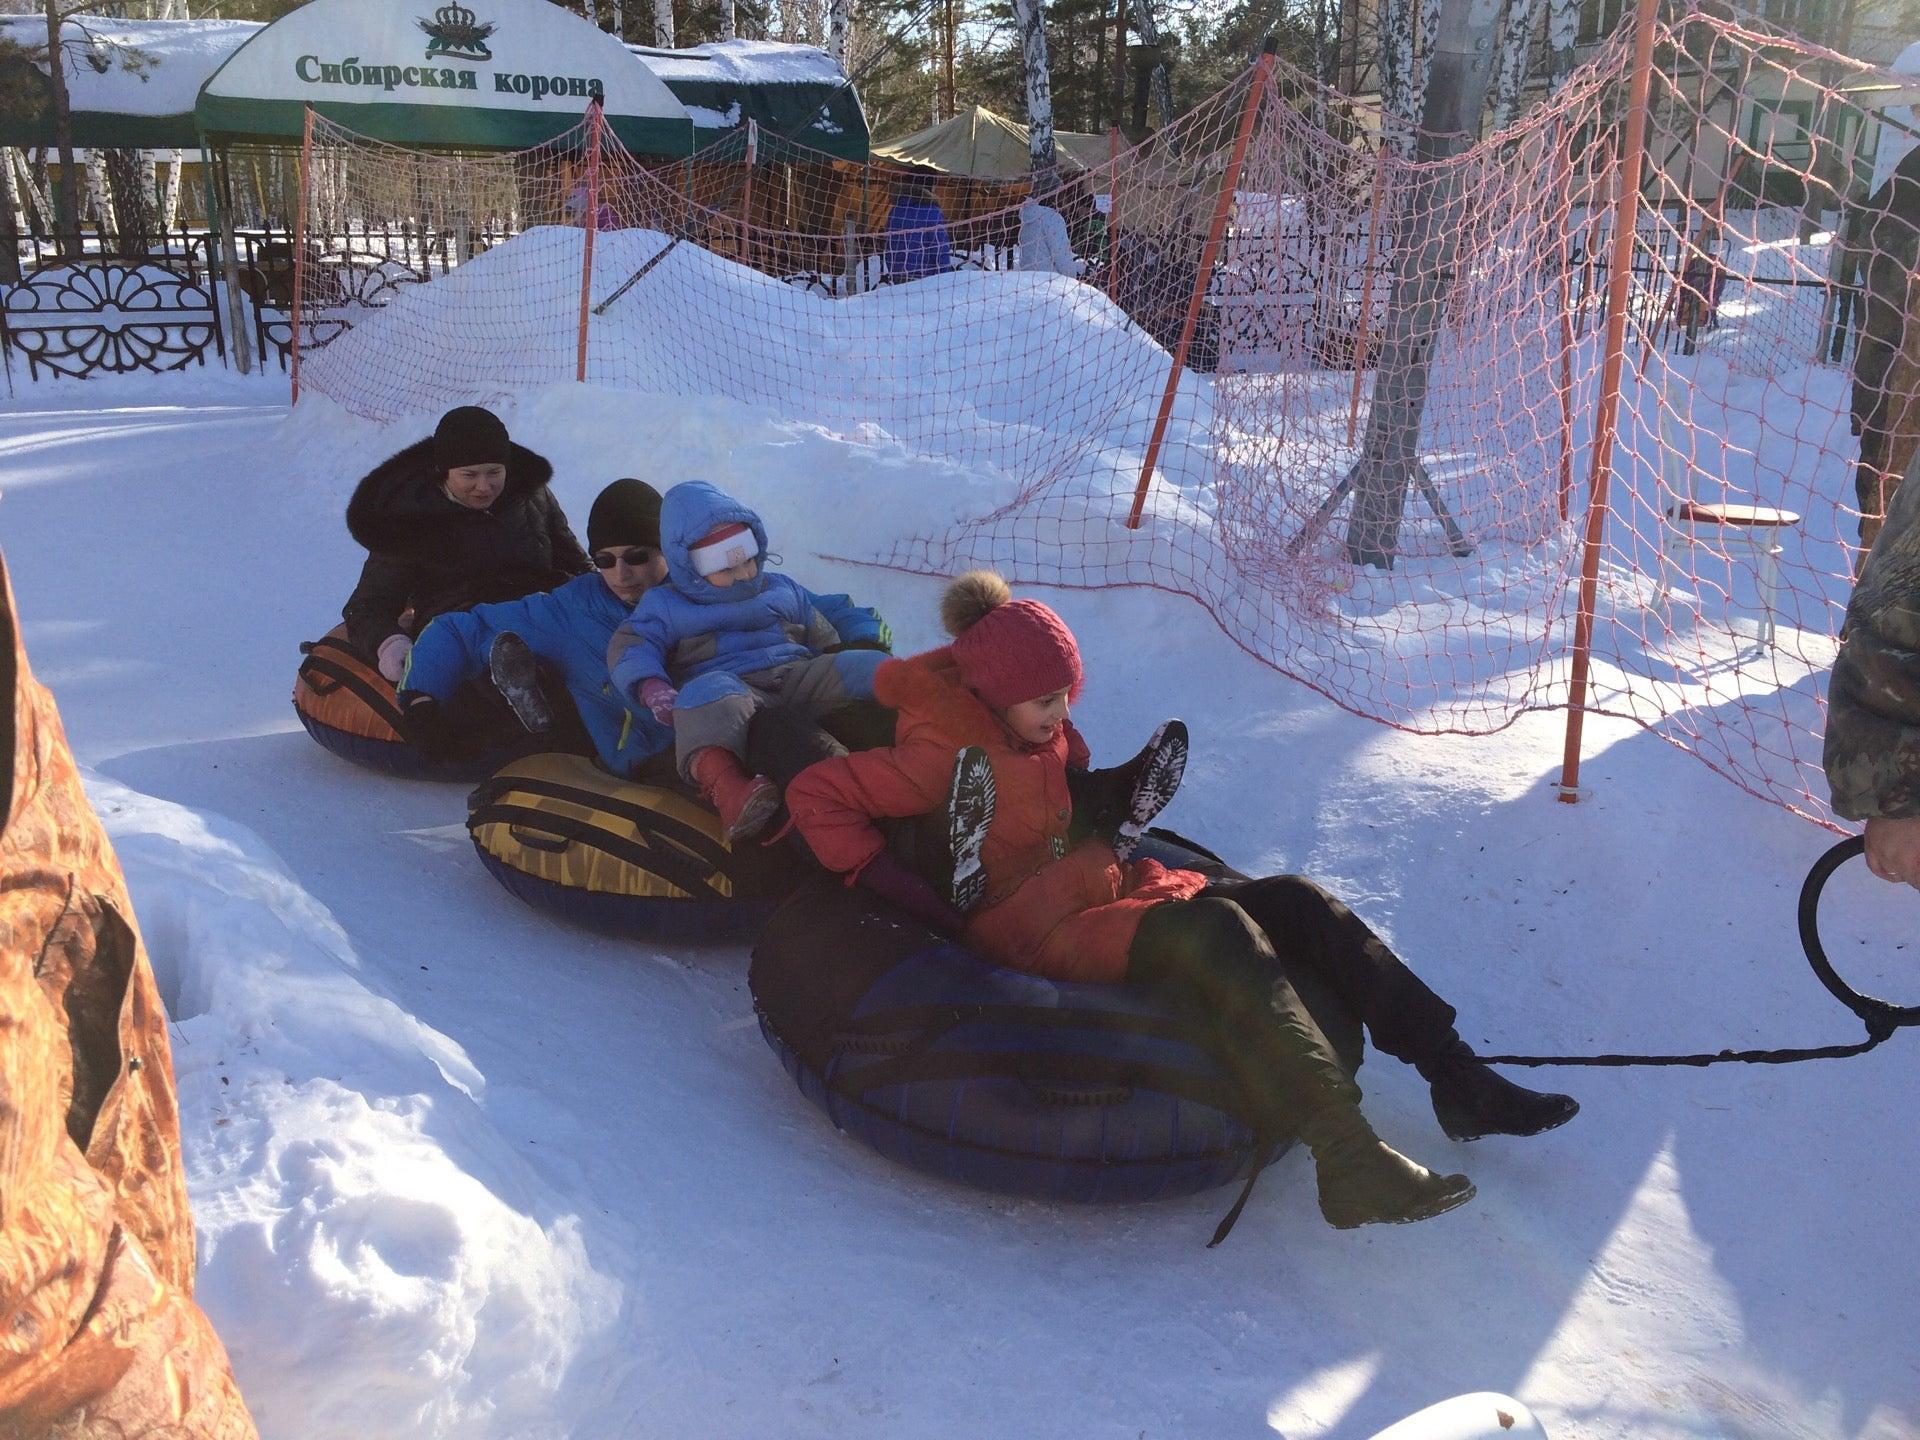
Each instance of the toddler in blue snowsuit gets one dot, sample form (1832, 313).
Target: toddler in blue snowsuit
(725, 638)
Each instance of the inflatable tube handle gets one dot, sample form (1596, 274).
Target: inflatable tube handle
(1882, 1017)
(540, 840)
(315, 677)
(1053, 1093)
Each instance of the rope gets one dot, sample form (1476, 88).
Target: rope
(1881, 1017)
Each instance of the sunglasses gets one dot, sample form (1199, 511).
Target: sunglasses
(634, 558)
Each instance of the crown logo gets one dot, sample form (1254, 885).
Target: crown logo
(457, 33)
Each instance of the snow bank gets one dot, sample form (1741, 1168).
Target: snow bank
(377, 1257)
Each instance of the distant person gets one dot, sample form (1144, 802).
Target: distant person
(454, 521)
(1045, 245)
(575, 209)
(1872, 751)
(917, 241)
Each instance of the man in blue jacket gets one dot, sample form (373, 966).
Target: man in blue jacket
(569, 628)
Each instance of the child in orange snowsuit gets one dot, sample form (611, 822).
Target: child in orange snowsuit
(1000, 696)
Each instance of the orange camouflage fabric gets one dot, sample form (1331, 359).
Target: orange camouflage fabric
(99, 1334)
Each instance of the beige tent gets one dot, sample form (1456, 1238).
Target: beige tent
(981, 145)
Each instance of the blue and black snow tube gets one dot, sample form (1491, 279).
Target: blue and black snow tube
(640, 861)
(995, 1078)
(348, 706)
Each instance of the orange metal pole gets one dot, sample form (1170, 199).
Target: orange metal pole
(300, 244)
(1366, 289)
(595, 119)
(1229, 183)
(1606, 413)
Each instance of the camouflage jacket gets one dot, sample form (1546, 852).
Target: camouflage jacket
(1873, 703)
(99, 1335)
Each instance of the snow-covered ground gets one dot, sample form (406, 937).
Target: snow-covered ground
(460, 1171)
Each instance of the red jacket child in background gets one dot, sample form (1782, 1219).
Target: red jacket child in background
(996, 703)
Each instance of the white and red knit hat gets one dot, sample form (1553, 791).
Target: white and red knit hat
(723, 548)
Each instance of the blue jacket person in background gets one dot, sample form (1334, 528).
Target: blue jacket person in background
(917, 240)
(726, 638)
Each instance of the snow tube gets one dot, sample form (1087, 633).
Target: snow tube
(636, 860)
(348, 706)
(995, 1078)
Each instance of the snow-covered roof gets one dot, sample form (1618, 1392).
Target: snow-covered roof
(795, 93)
(136, 67)
(744, 62)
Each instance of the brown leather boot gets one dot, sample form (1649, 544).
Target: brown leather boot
(745, 802)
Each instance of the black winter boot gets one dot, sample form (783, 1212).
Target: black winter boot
(1471, 1100)
(969, 816)
(1364, 1181)
(1158, 770)
(516, 675)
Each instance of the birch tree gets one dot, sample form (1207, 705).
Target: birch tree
(1563, 32)
(1398, 29)
(663, 24)
(1517, 29)
(1159, 85)
(1030, 15)
(1436, 209)
(837, 31)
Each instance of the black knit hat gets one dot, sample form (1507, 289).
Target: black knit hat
(470, 436)
(627, 512)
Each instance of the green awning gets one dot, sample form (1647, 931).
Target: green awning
(501, 74)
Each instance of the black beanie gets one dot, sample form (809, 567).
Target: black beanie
(470, 436)
(627, 512)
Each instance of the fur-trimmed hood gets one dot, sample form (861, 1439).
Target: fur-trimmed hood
(400, 509)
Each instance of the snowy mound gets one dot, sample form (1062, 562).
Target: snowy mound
(366, 1235)
(992, 370)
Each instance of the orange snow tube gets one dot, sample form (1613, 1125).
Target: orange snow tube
(349, 707)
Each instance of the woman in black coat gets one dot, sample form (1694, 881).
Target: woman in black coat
(459, 520)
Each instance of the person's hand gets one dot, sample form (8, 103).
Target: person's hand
(426, 724)
(392, 656)
(659, 697)
(1893, 850)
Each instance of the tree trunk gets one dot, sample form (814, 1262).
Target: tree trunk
(12, 222)
(130, 184)
(663, 23)
(105, 222)
(1031, 17)
(67, 217)
(1436, 210)
(837, 30)
(729, 19)
(1563, 29)
(1158, 80)
(1510, 64)
(1398, 32)
(170, 203)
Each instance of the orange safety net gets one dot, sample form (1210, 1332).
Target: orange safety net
(886, 307)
